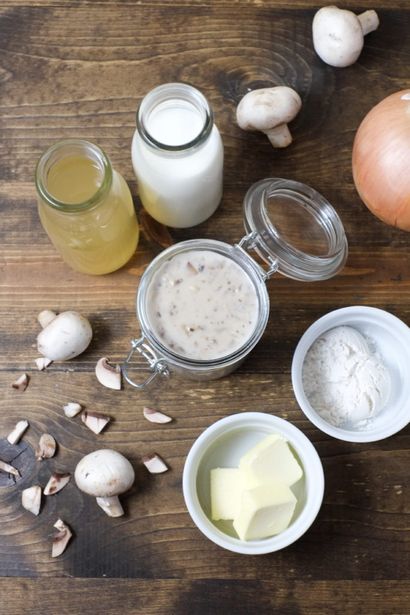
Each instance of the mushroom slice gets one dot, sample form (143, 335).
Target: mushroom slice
(109, 375)
(61, 539)
(42, 363)
(46, 447)
(15, 435)
(21, 383)
(6, 467)
(45, 317)
(31, 499)
(95, 420)
(56, 483)
(154, 464)
(72, 409)
(153, 416)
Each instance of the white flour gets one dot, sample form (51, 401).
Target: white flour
(345, 382)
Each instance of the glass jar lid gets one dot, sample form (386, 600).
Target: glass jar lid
(294, 229)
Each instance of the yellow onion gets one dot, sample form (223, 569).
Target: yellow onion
(381, 160)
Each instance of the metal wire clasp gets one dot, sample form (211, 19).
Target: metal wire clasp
(250, 242)
(156, 365)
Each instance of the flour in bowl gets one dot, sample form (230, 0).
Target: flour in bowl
(344, 380)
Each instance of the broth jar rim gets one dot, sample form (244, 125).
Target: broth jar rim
(248, 266)
(47, 159)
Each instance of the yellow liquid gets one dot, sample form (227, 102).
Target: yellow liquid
(101, 238)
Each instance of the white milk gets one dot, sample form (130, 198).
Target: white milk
(202, 305)
(178, 188)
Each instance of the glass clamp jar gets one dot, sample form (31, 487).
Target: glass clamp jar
(86, 207)
(177, 155)
(203, 304)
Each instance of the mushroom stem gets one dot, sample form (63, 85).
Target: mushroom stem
(369, 21)
(279, 136)
(111, 506)
(45, 317)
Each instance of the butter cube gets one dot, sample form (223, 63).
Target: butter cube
(271, 460)
(264, 511)
(226, 491)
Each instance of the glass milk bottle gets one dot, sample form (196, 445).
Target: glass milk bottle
(177, 155)
(86, 207)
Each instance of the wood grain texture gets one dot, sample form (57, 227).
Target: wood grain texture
(78, 68)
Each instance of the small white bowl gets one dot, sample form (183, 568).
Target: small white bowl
(391, 339)
(222, 445)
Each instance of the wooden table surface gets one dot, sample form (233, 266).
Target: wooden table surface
(79, 69)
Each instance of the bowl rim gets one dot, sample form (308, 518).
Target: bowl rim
(313, 474)
(339, 317)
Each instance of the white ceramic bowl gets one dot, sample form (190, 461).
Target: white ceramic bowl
(222, 445)
(391, 339)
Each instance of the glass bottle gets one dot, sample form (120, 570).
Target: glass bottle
(86, 207)
(177, 155)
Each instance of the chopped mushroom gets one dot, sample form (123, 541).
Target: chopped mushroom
(15, 435)
(56, 482)
(6, 467)
(338, 34)
(154, 416)
(105, 474)
(65, 337)
(154, 464)
(21, 383)
(109, 375)
(31, 499)
(46, 447)
(72, 409)
(61, 539)
(269, 110)
(95, 421)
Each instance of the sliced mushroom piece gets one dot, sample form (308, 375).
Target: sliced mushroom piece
(15, 435)
(56, 482)
(6, 467)
(154, 464)
(31, 499)
(21, 383)
(46, 447)
(61, 539)
(72, 409)
(154, 416)
(42, 363)
(45, 317)
(105, 474)
(95, 420)
(109, 375)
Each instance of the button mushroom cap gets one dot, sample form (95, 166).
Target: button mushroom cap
(338, 34)
(65, 337)
(105, 474)
(269, 110)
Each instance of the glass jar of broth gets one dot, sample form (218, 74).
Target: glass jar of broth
(86, 207)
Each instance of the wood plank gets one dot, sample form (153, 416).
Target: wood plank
(162, 597)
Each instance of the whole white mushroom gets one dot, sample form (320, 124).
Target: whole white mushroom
(65, 336)
(105, 474)
(338, 34)
(269, 110)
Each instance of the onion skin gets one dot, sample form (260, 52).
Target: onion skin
(381, 160)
